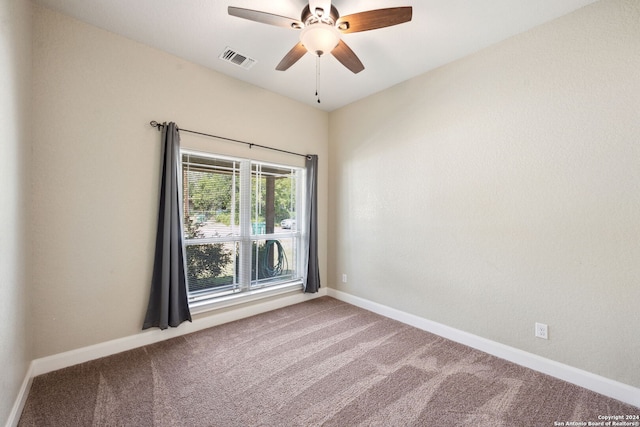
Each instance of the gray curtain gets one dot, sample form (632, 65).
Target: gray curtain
(312, 273)
(168, 304)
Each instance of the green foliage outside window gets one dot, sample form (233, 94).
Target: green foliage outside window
(206, 264)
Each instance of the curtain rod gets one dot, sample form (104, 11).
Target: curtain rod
(155, 124)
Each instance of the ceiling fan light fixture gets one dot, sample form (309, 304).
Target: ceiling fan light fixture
(320, 38)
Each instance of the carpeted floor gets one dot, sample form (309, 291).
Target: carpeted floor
(323, 362)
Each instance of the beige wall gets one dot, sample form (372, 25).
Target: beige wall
(96, 168)
(15, 66)
(504, 189)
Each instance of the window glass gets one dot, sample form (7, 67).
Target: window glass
(212, 267)
(273, 197)
(211, 191)
(273, 260)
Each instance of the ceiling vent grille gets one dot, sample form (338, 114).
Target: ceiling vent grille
(230, 55)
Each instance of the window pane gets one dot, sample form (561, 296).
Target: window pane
(273, 199)
(273, 261)
(212, 197)
(212, 267)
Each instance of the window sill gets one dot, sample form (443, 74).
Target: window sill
(216, 303)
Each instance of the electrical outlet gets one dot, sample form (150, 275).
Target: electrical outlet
(344, 278)
(542, 331)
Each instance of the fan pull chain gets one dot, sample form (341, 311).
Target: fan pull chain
(317, 77)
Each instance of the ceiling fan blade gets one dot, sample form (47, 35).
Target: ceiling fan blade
(265, 18)
(373, 19)
(345, 55)
(292, 57)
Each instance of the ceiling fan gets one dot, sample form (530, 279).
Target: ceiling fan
(320, 27)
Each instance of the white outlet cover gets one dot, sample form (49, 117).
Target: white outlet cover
(542, 331)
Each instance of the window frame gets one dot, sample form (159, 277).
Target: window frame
(245, 288)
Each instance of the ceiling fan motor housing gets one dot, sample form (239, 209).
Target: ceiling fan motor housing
(309, 17)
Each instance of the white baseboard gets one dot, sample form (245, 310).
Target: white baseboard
(69, 358)
(151, 336)
(605, 386)
(602, 385)
(18, 405)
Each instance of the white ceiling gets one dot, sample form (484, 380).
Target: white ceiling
(199, 30)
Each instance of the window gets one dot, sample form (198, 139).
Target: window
(241, 225)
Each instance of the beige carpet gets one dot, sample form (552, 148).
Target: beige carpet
(322, 362)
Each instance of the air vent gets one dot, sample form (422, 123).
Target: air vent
(230, 55)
